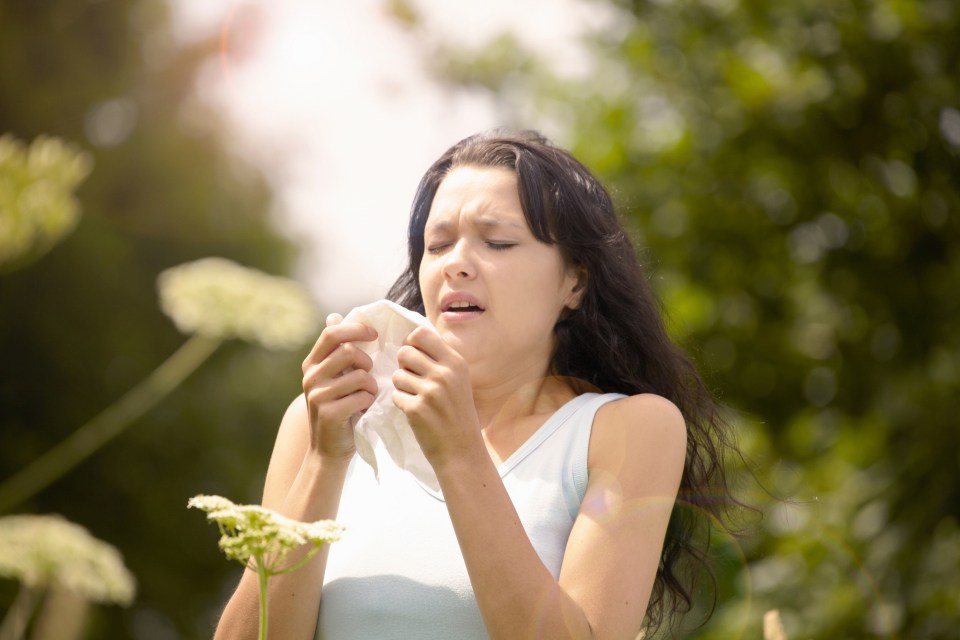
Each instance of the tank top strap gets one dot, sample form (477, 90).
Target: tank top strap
(586, 412)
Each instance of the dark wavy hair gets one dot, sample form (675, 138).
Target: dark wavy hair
(615, 341)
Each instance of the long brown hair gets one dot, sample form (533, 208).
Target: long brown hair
(615, 341)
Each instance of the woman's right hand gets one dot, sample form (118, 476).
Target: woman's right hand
(337, 384)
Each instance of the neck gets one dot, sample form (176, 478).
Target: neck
(518, 397)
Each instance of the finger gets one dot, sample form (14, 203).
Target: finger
(340, 410)
(356, 402)
(344, 359)
(335, 335)
(347, 355)
(423, 388)
(401, 399)
(429, 342)
(334, 319)
(414, 360)
(405, 382)
(331, 391)
(405, 400)
(352, 382)
(411, 404)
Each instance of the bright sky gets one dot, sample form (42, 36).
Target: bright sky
(332, 101)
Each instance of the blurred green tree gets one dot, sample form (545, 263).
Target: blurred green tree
(81, 326)
(791, 171)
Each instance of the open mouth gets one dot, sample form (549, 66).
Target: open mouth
(463, 307)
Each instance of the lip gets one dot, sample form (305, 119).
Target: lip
(458, 315)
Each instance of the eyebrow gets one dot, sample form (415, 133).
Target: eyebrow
(484, 221)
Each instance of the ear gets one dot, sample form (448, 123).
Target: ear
(580, 276)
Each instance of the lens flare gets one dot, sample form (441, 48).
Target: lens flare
(224, 48)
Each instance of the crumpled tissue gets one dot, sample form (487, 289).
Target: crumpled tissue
(383, 421)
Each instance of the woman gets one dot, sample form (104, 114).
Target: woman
(560, 421)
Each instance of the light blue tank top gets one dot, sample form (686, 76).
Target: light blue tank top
(398, 574)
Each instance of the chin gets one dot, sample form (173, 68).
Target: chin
(464, 348)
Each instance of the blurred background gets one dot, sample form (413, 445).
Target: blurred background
(791, 172)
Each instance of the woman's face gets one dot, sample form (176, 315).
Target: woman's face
(492, 290)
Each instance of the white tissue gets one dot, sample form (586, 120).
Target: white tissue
(383, 421)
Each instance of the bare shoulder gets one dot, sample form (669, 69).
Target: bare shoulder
(645, 432)
(635, 460)
(293, 438)
(295, 418)
(294, 431)
(647, 415)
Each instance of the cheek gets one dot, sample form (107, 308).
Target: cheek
(537, 293)
(428, 284)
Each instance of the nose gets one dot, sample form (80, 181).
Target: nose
(458, 262)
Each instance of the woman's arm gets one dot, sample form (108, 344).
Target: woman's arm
(305, 480)
(637, 451)
(636, 458)
(303, 487)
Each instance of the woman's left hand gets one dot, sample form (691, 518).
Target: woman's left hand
(433, 390)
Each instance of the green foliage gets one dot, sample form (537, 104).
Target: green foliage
(791, 172)
(82, 326)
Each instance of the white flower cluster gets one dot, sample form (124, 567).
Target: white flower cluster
(218, 298)
(37, 206)
(42, 551)
(252, 531)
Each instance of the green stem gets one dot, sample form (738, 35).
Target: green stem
(18, 617)
(301, 562)
(108, 424)
(262, 576)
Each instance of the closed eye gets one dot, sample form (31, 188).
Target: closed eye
(440, 247)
